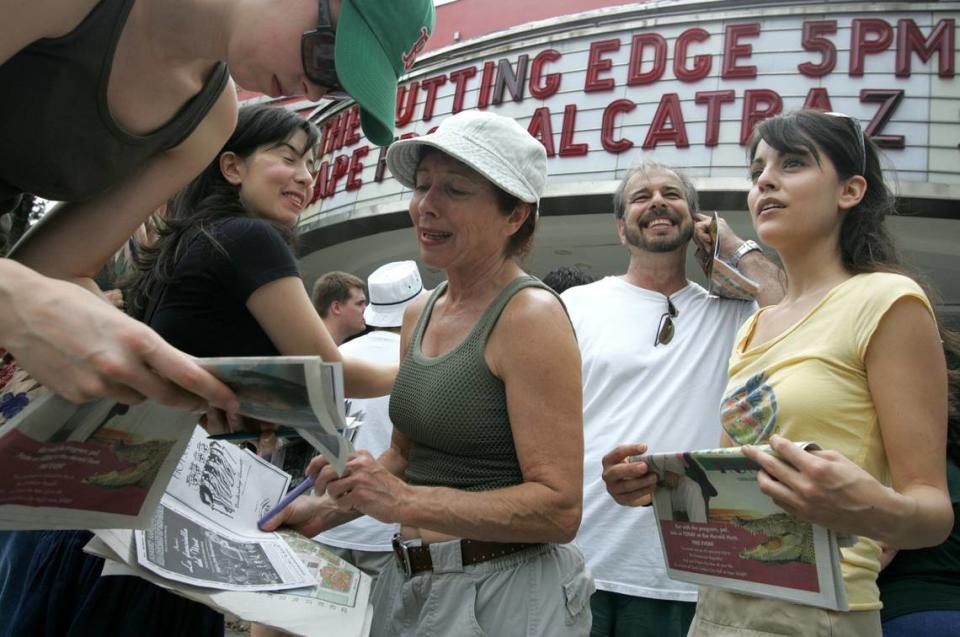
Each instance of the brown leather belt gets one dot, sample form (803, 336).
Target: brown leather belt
(416, 559)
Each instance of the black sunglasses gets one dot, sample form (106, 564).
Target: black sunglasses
(317, 51)
(858, 133)
(666, 329)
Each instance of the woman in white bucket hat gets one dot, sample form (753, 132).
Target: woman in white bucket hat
(485, 468)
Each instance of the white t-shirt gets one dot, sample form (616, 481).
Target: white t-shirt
(667, 396)
(366, 533)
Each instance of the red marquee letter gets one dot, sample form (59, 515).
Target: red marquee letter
(701, 63)
(669, 109)
(460, 78)
(597, 64)
(861, 44)
(486, 84)
(353, 127)
(813, 40)
(636, 77)
(320, 186)
(406, 103)
(910, 40)
(713, 100)
(613, 109)
(430, 85)
(541, 128)
(356, 167)
(733, 50)
(818, 98)
(567, 147)
(758, 105)
(340, 166)
(544, 86)
(889, 100)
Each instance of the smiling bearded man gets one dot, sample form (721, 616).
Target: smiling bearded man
(654, 348)
(658, 217)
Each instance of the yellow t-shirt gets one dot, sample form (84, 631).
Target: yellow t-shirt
(810, 384)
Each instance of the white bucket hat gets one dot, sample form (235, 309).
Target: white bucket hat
(495, 146)
(391, 287)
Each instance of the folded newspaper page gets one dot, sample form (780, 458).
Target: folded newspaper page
(337, 605)
(297, 391)
(718, 529)
(725, 280)
(206, 534)
(92, 466)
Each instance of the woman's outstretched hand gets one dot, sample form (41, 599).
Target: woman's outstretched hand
(83, 349)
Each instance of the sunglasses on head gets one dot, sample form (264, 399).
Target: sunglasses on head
(317, 51)
(666, 329)
(858, 133)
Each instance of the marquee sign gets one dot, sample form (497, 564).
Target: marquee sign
(691, 92)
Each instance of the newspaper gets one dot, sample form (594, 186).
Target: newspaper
(718, 529)
(338, 604)
(206, 534)
(92, 466)
(293, 454)
(725, 280)
(302, 392)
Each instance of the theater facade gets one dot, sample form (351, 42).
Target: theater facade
(605, 85)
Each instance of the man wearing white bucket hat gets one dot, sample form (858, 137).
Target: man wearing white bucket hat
(366, 542)
(392, 287)
(484, 471)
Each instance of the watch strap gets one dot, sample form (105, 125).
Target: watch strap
(747, 246)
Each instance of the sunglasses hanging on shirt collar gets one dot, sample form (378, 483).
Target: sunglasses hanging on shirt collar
(666, 329)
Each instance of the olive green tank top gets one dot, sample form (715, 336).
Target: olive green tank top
(454, 410)
(58, 138)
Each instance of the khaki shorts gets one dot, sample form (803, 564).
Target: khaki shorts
(724, 614)
(370, 562)
(544, 590)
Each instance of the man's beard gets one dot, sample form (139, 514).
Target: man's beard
(635, 237)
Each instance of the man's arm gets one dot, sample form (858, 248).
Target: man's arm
(754, 264)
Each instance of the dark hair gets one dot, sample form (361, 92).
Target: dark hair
(653, 166)
(566, 277)
(521, 241)
(951, 344)
(210, 199)
(865, 245)
(333, 286)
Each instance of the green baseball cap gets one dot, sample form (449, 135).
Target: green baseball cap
(377, 41)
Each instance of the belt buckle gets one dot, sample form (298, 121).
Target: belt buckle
(402, 553)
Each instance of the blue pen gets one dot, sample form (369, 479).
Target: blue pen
(290, 497)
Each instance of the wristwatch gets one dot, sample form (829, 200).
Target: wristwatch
(745, 247)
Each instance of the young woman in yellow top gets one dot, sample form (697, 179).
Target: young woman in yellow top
(850, 358)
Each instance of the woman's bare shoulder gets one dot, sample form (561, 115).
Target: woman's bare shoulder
(534, 312)
(26, 21)
(411, 314)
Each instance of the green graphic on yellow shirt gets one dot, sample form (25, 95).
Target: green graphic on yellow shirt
(749, 413)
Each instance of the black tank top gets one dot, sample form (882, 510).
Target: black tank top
(57, 137)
